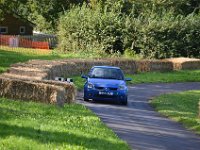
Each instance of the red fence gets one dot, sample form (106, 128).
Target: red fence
(26, 41)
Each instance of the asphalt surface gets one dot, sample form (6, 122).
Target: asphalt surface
(143, 128)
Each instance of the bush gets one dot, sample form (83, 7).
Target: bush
(171, 36)
(152, 29)
(91, 29)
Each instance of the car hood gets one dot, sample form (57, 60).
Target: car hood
(106, 82)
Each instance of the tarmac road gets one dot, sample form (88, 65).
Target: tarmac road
(141, 126)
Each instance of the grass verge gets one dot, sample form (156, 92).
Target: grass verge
(181, 107)
(28, 125)
(166, 77)
(9, 56)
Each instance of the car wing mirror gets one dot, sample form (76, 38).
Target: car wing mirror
(84, 76)
(128, 79)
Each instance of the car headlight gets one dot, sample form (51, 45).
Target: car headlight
(90, 86)
(122, 87)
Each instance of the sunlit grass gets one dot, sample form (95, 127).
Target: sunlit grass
(9, 56)
(166, 77)
(181, 107)
(28, 125)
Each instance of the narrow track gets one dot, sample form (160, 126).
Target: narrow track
(141, 126)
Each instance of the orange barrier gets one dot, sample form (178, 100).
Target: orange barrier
(15, 41)
(25, 43)
(40, 45)
(4, 40)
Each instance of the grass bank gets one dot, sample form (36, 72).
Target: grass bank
(166, 77)
(181, 107)
(27, 125)
(9, 56)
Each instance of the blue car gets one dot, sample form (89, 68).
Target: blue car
(106, 83)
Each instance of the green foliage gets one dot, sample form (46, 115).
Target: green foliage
(39, 11)
(28, 125)
(129, 53)
(170, 36)
(83, 28)
(181, 107)
(150, 30)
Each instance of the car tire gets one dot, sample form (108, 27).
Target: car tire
(124, 103)
(85, 99)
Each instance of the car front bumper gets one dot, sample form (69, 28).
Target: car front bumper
(118, 96)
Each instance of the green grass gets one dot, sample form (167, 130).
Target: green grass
(9, 56)
(28, 125)
(38, 126)
(154, 77)
(181, 107)
(167, 77)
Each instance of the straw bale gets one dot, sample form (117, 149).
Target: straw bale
(160, 66)
(45, 92)
(69, 89)
(184, 63)
(32, 80)
(191, 65)
(143, 66)
(45, 69)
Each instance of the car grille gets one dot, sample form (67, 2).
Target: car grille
(102, 88)
(99, 88)
(105, 96)
(113, 89)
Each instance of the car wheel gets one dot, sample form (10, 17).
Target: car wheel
(124, 102)
(85, 99)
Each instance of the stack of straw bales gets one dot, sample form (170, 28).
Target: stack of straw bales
(32, 80)
(44, 69)
(45, 92)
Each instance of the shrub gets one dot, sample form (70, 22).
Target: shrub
(171, 36)
(87, 29)
(153, 29)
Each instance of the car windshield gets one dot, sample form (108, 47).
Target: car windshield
(106, 73)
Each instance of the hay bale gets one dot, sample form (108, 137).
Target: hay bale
(75, 67)
(69, 89)
(160, 66)
(45, 69)
(190, 65)
(33, 77)
(39, 91)
(143, 66)
(184, 63)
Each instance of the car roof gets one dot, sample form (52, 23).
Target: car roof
(106, 67)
